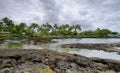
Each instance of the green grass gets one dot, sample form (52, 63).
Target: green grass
(14, 45)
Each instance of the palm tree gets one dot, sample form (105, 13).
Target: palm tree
(1, 26)
(34, 27)
(64, 29)
(16, 30)
(7, 24)
(56, 26)
(77, 27)
(46, 28)
(23, 27)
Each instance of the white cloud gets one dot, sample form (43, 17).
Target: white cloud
(91, 14)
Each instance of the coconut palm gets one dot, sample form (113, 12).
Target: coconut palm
(34, 27)
(7, 24)
(23, 27)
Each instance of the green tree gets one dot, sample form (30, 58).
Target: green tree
(46, 29)
(34, 27)
(102, 32)
(77, 29)
(23, 27)
(1, 26)
(64, 29)
(7, 24)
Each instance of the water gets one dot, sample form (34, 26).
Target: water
(85, 52)
(88, 40)
(118, 48)
(96, 53)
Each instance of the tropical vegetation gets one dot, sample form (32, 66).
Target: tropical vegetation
(9, 29)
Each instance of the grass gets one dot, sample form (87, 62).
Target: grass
(14, 45)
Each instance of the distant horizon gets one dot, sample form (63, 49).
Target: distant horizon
(90, 14)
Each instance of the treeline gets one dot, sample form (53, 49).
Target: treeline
(9, 29)
(35, 30)
(99, 33)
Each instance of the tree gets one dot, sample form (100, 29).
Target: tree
(64, 29)
(34, 27)
(1, 26)
(16, 31)
(76, 28)
(88, 33)
(46, 29)
(114, 33)
(7, 24)
(23, 27)
(102, 32)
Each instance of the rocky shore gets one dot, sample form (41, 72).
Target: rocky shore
(109, 47)
(47, 61)
(37, 41)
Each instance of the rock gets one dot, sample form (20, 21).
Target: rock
(21, 61)
(109, 47)
(7, 70)
(69, 71)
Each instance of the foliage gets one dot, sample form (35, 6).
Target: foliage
(35, 30)
(47, 30)
(14, 45)
(98, 33)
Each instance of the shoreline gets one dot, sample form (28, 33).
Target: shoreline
(14, 61)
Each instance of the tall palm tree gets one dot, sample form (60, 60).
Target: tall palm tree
(34, 27)
(64, 29)
(8, 24)
(1, 26)
(77, 27)
(23, 27)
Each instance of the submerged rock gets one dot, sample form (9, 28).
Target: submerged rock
(40, 61)
(109, 47)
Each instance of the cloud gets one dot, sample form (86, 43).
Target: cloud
(51, 10)
(91, 14)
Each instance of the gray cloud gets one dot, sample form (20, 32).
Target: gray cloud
(51, 10)
(91, 14)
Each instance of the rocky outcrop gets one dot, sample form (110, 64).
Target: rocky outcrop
(41, 61)
(109, 47)
(1, 41)
(37, 41)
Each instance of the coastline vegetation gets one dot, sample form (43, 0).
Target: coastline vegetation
(9, 29)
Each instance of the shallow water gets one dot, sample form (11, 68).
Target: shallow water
(88, 40)
(96, 53)
(85, 52)
(117, 48)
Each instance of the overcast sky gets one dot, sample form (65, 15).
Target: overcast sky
(91, 14)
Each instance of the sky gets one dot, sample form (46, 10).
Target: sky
(90, 14)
